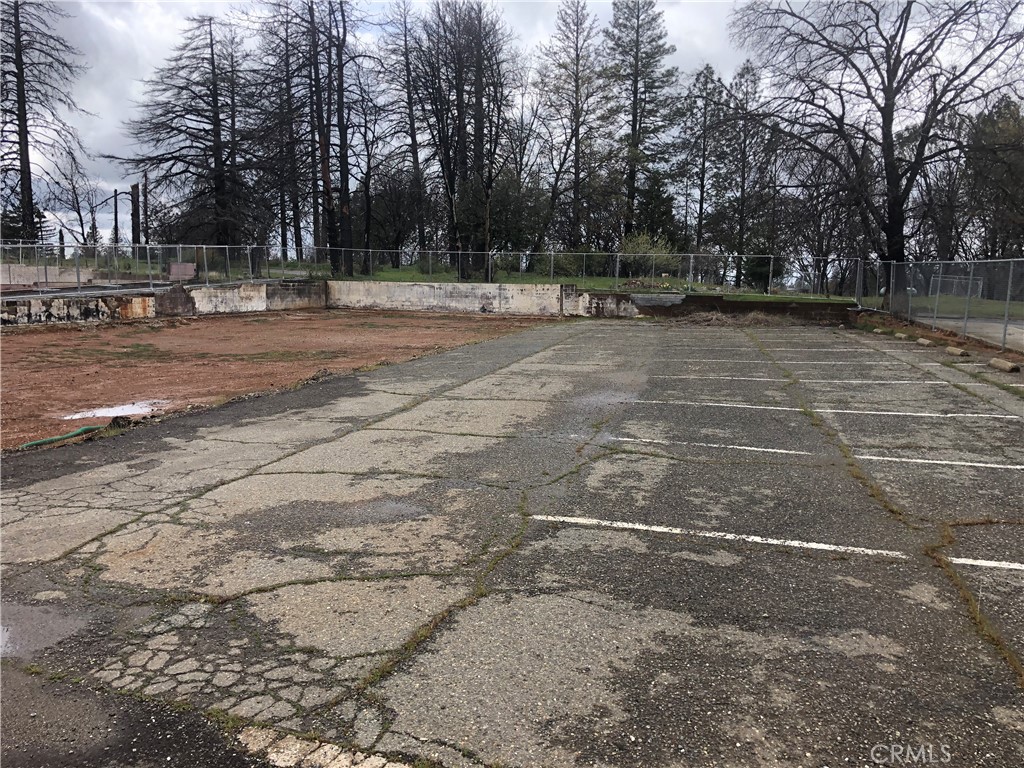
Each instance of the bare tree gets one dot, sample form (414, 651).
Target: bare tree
(570, 89)
(71, 192)
(399, 50)
(191, 133)
(37, 68)
(851, 76)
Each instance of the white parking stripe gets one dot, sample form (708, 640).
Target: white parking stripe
(712, 445)
(920, 382)
(748, 406)
(719, 378)
(865, 457)
(793, 543)
(942, 462)
(766, 361)
(987, 563)
(590, 521)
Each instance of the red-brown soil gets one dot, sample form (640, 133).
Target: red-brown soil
(47, 372)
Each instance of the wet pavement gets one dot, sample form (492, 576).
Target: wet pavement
(589, 544)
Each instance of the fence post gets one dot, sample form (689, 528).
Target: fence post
(149, 267)
(206, 266)
(859, 289)
(551, 262)
(653, 264)
(1006, 310)
(889, 287)
(78, 270)
(430, 263)
(938, 290)
(690, 276)
(617, 255)
(967, 303)
(584, 280)
(771, 271)
(910, 291)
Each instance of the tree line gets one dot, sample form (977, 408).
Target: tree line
(891, 131)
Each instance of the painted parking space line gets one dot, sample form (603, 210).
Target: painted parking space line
(766, 541)
(766, 361)
(858, 350)
(859, 456)
(720, 378)
(915, 382)
(794, 543)
(939, 462)
(719, 446)
(850, 411)
(987, 563)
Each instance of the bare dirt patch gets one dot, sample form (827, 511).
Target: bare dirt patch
(48, 372)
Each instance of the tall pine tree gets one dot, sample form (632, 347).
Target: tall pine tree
(643, 90)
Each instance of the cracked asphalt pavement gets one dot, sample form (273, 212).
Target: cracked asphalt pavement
(600, 543)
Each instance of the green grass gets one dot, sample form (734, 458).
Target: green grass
(954, 306)
(789, 297)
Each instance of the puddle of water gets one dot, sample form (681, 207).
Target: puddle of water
(27, 629)
(141, 408)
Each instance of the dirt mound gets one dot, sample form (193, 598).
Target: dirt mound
(738, 320)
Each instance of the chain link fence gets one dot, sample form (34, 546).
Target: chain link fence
(46, 268)
(980, 299)
(984, 299)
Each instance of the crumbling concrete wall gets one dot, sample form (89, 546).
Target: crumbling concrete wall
(296, 295)
(76, 309)
(597, 303)
(176, 302)
(499, 298)
(220, 299)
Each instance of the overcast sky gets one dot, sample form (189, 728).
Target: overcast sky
(123, 42)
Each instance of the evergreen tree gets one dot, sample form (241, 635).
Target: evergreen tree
(643, 90)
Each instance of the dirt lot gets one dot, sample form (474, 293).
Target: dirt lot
(50, 372)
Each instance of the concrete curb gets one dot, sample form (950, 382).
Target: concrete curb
(957, 352)
(926, 342)
(901, 336)
(1003, 365)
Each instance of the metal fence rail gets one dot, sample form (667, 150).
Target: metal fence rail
(972, 298)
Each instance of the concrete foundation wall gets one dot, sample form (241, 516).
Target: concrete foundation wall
(296, 295)
(28, 274)
(506, 299)
(499, 298)
(69, 310)
(597, 304)
(220, 299)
